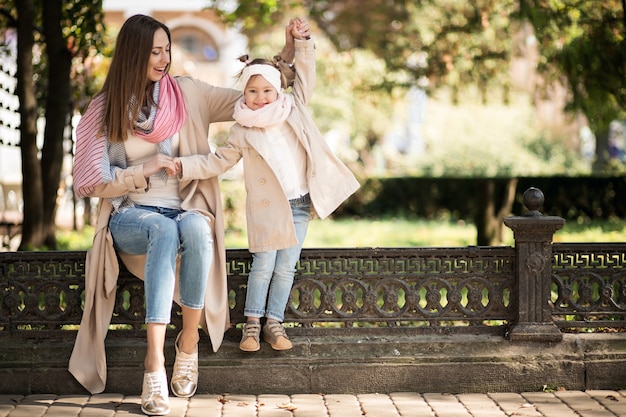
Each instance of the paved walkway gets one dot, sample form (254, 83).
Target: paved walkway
(405, 404)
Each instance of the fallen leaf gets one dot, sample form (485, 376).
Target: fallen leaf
(287, 406)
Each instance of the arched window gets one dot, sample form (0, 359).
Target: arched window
(197, 44)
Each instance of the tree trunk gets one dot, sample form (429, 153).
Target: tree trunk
(602, 161)
(494, 201)
(32, 230)
(58, 107)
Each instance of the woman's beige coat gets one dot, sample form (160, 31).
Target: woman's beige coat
(205, 104)
(268, 213)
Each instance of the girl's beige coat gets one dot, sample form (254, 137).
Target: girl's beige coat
(268, 213)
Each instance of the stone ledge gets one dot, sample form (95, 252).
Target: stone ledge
(350, 364)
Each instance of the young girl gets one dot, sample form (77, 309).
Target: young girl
(290, 173)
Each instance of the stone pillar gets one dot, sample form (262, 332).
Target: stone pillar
(533, 234)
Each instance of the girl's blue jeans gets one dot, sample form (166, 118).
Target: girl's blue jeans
(272, 272)
(161, 234)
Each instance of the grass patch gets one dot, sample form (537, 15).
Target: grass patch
(376, 233)
(613, 230)
(348, 233)
(388, 233)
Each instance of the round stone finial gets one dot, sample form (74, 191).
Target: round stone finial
(533, 200)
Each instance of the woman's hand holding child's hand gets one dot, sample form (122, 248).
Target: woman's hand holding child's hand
(159, 162)
(299, 28)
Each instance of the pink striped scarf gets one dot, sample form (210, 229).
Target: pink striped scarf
(91, 161)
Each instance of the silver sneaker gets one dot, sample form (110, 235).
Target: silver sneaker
(154, 395)
(185, 376)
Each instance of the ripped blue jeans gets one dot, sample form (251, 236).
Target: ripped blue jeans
(161, 234)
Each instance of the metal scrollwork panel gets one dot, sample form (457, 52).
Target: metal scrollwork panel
(589, 282)
(41, 290)
(403, 285)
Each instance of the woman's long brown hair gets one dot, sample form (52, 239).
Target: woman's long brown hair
(127, 77)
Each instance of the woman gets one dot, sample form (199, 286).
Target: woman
(166, 231)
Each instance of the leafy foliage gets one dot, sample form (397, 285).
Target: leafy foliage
(451, 41)
(455, 42)
(83, 26)
(252, 17)
(582, 45)
(83, 29)
(51, 36)
(487, 140)
(461, 45)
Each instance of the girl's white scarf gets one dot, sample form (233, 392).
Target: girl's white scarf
(269, 115)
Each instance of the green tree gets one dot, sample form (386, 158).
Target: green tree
(582, 46)
(61, 31)
(425, 43)
(453, 43)
(459, 45)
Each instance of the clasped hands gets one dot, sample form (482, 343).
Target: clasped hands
(171, 165)
(298, 28)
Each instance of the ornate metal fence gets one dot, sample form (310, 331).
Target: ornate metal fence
(589, 285)
(442, 289)
(433, 287)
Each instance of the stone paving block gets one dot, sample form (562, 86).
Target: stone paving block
(548, 404)
(515, 405)
(102, 405)
(130, 406)
(205, 405)
(377, 405)
(239, 406)
(33, 405)
(67, 406)
(8, 403)
(411, 404)
(308, 405)
(446, 405)
(481, 405)
(178, 406)
(342, 405)
(612, 400)
(274, 405)
(583, 404)
(96, 412)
